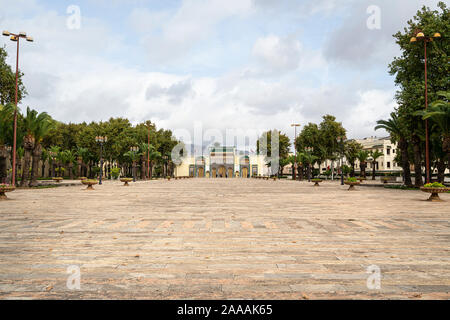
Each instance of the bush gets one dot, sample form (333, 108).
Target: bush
(351, 179)
(115, 172)
(434, 185)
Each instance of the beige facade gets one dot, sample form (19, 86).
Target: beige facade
(222, 162)
(387, 147)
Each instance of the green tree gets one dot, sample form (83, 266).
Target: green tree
(329, 131)
(362, 157)
(409, 74)
(264, 146)
(398, 133)
(374, 155)
(35, 125)
(41, 127)
(351, 153)
(8, 82)
(6, 119)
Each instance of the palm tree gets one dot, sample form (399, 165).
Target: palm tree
(45, 156)
(374, 155)
(43, 124)
(439, 114)
(29, 122)
(134, 157)
(82, 158)
(309, 160)
(54, 154)
(351, 152)
(143, 148)
(362, 156)
(6, 113)
(396, 129)
(154, 155)
(68, 158)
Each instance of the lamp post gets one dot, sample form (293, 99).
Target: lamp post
(294, 172)
(134, 150)
(148, 153)
(420, 36)
(53, 156)
(309, 150)
(341, 139)
(101, 140)
(16, 38)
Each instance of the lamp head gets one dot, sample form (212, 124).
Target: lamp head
(30, 39)
(14, 38)
(22, 34)
(437, 35)
(413, 39)
(6, 33)
(420, 35)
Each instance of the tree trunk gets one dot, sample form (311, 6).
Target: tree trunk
(3, 166)
(28, 146)
(142, 168)
(300, 172)
(37, 153)
(70, 171)
(151, 170)
(441, 170)
(417, 162)
(374, 169)
(403, 145)
(363, 170)
(43, 169)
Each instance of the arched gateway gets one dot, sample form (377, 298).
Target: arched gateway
(222, 162)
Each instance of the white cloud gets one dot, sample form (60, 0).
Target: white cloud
(278, 54)
(77, 76)
(373, 105)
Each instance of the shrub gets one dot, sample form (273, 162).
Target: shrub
(351, 179)
(115, 172)
(434, 185)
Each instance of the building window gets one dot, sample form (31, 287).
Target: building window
(388, 164)
(393, 150)
(388, 151)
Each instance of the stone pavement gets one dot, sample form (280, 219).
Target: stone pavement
(223, 239)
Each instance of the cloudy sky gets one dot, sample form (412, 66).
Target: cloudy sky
(225, 64)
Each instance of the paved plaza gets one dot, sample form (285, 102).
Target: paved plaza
(224, 239)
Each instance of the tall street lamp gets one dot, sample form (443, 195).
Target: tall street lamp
(134, 150)
(16, 38)
(101, 140)
(148, 154)
(294, 172)
(420, 36)
(341, 139)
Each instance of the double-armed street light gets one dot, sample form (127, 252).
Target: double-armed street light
(16, 38)
(294, 171)
(420, 36)
(134, 150)
(101, 140)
